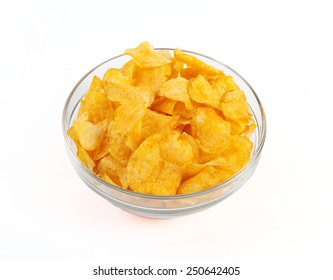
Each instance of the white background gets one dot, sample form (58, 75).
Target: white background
(281, 217)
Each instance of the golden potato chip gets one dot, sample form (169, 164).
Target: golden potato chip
(107, 179)
(96, 85)
(85, 158)
(219, 86)
(96, 106)
(211, 131)
(135, 136)
(145, 56)
(194, 145)
(118, 89)
(149, 173)
(177, 149)
(126, 94)
(117, 146)
(250, 129)
(221, 164)
(115, 76)
(166, 54)
(177, 67)
(235, 109)
(189, 73)
(101, 151)
(128, 70)
(201, 91)
(73, 134)
(234, 95)
(109, 166)
(127, 124)
(180, 110)
(197, 65)
(219, 161)
(126, 117)
(154, 122)
(191, 169)
(209, 177)
(122, 172)
(238, 152)
(224, 84)
(90, 135)
(176, 89)
(164, 105)
(153, 78)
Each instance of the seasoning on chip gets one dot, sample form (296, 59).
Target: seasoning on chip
(163, 124)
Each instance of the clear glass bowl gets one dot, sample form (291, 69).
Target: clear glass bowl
(163, 206)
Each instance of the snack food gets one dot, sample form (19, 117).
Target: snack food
(163, 125)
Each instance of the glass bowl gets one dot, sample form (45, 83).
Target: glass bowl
(153, 206)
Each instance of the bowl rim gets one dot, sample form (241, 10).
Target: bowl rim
(257, 152)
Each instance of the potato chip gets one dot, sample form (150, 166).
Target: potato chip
(115, 76)
(101, 151)
(191, 169)
(221, 164)
(189, 73)
(177, 149)
(96, 106)
(129, 115)
(180, 110)
(219, 86)
(145, 56)
(238, 152)
(122, 172)
(126, 94)
(177, 67)
(209, 177)
(128, 70)
(166, 54)
(235, 109)
(90, 135)
(154, 122)
(197, 65)
(96, 85)
(201, 91)
(109, 166)
(234, 95)
(117, 146)
(148, 172)
(153, 78)
(73, 134)
(118, 89)
(107, 179)
(194, 146)
(163, 125)
(164, 105)
(224, 84)
(85, 158)
(250, 129)
(211, 131)
(176, 89)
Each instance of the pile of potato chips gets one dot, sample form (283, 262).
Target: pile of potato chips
(163, 124)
